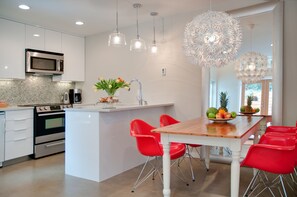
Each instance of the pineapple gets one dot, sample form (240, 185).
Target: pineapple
(224, 100)
(248, 107)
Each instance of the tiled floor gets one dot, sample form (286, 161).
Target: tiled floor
(45, 178)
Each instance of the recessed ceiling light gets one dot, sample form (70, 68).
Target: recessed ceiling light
(36, 35)
(24, 7)
(271, 45)
(79, 23)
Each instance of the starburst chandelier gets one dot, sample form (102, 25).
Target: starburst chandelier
(212, 39)
(252, 66)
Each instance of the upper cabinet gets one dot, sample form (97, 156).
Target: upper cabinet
(15, 37)
(53, 41)
(12, 50)
(43, 39)
(73, 48)
(34, 37)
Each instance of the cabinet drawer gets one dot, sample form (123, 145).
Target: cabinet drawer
(19, 115)
(21, 124)
(15, 149)
(18, 135)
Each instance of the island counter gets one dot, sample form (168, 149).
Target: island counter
(98, 142)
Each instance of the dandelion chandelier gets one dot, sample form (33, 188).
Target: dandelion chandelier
(251, 67)
(212, 39)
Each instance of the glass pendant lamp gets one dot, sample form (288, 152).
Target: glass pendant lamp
(137, 44)
(116, 38)
(154, 47)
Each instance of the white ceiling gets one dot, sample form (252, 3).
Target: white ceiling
(99, 15)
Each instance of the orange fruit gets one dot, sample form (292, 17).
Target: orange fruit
(221, 111)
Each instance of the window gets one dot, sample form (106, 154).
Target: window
(262, 93)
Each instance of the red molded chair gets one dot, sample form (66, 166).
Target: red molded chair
(280, 131)
(166, 120)
(148, 144)
(273, 155)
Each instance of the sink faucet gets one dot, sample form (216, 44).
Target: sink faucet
(139, 97)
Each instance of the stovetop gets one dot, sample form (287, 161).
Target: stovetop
(48, 107)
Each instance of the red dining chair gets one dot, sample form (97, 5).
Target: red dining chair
(148, 144)
(278, 132)
(273, 155)
(166, 120)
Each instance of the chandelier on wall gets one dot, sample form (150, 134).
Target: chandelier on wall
(252, 66)
(212, 39)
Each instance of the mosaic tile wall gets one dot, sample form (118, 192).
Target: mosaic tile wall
(33, 90)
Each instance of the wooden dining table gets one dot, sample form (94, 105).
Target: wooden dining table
(231, 134)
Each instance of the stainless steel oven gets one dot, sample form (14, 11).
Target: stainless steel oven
(49, 129)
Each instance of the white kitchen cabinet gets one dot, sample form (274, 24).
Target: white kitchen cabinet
(43, 39)
(73, 48)
(12, 50)
(34, 37)
(18, 133)
(53, 41)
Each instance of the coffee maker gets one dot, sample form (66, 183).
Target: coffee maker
(75, 96)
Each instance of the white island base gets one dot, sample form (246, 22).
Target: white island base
(98, 142)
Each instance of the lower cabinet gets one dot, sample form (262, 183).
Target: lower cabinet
(18, 134)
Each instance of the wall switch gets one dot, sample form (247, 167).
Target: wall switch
(163, 72)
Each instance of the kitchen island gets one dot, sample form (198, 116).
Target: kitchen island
(98, 142)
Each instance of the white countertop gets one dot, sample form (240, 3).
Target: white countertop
(116, 107)
(14, 108)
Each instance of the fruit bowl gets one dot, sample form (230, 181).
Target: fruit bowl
(248, 113)
(221, 120)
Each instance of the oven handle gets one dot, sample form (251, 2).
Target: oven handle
(55, 144)
(51, 114)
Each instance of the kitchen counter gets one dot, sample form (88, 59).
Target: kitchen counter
(115, 107)
(98, 142)
(13, 108)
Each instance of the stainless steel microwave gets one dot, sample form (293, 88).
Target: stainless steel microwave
(44, 62)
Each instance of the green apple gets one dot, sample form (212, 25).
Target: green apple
(211, 115)
(211, 110)
(233, 114)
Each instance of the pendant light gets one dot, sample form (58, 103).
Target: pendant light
(154, 48)
(251, 67)
(137, 44)
(212, 39)
(117, 39)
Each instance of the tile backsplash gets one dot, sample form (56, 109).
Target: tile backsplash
(33, 90)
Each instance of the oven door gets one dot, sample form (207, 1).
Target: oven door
(49, 126)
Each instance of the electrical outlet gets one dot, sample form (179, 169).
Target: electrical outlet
(163, 72)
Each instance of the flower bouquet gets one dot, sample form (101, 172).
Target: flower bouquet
(110, 86)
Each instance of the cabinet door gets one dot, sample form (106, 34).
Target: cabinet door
(18, 134)
(12, 50)
(34, 37)
(53, 41)
(73, 48)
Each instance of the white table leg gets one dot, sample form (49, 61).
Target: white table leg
(166, 169)
(235, 173)
(207, 152)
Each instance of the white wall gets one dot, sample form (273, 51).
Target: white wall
(181, 85)
(290, 63)
(227, 82)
